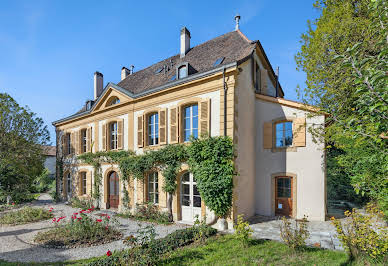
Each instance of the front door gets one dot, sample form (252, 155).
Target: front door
(190, 198)
(113, 190)
(283, 198)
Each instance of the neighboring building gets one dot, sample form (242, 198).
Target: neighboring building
(223, 86)
(50, 161)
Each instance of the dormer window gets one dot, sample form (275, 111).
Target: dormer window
(112, 101)
(182, 72)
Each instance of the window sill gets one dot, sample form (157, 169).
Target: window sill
(285, 149)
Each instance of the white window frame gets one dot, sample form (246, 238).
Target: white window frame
(153, 181)
(283, 123)
(191, 117)
(84, 182)
(153, 139)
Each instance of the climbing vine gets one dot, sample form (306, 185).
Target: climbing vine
(210, 159)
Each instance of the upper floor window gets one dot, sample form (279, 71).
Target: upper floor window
(83, 182)
(68, 141)
(190, 121)
(153, 129)
(182, 72)
(83, 141)
(153, 189)
(113, 100)
(283, 134)
(113, 135)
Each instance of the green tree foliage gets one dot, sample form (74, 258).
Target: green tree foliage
(21, 156)
(344, 54)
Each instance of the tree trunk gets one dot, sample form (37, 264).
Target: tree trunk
(169, 206)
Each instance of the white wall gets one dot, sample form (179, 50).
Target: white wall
(307, 163)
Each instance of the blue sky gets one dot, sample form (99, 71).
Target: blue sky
(49, 50)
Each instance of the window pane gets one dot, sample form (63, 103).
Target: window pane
(279, 142)
(195, 110)
(187, 112)
(279, 127)
(186, 189)
(195, 122)
(288, 126)
(195, 133)
(186, 177)
(186, 200)
(195, 190)
(150, 197)
(187, 123)
(197, 201)
(182, 72)
(187, 135)
(156, 198)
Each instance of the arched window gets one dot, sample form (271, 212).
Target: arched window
(153, 129)
(190, 121)
(182, 72)
(283, 134)
(153, 188)
(113, 100)
(113, 135)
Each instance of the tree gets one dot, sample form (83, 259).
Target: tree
(22, 135)
(344, 54)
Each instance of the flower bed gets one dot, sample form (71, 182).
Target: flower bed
(149, 213)
(25, 215)
(81, 231)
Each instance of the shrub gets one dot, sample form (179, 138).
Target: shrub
(202, 227)
(82, 203)
(43, 182)
(145, 235)
(148, 212)
(242, 231)
(296, 237)
(81, 230)
(363, 235)
(150, 253)
(25, 215)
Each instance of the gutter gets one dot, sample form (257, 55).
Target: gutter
(156, 89)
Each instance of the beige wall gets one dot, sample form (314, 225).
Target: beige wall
(307, 163)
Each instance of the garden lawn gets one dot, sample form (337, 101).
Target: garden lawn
(25, 215)
(226, 250)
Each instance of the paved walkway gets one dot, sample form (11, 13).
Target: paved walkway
(16, 242)
(322, 234)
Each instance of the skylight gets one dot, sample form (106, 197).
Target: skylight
(219, 61)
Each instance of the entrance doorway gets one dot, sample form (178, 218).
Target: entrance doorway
(113, 189)
(190, 198)
(283, 196)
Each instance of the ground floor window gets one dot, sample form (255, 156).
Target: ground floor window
(83, 182)
(153, 188)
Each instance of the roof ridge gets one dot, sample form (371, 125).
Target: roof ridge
(244, 36)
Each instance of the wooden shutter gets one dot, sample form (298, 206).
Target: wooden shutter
(263, 81)
(299, 132)
(79, 184)
(104, 137)
(72, 143)
(140, 131)
(120, 134)
(174, 135)
(79, 141)
(89, 183)
(64, 145)
(267, 135)
(204, 117)
(163, 126)
(89, 139)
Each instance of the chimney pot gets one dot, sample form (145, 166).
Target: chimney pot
(185, 41)
(124, 73)
(237, 19)
(131, 71)
(98, 84)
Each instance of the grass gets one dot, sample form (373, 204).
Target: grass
(144, 219)
(25, 215)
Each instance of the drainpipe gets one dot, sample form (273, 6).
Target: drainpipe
(225, 98)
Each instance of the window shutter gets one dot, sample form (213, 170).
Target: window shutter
(162, 126)
(140, 140)
(204, 117)
(79, 184)
(89, 139)
(89, 183)
(79, 140)
(72, 143)
(263, 81)
(174, 136)
(104, 137)
(299, 132)
(120, 135)
(267, 135)
(64, 145)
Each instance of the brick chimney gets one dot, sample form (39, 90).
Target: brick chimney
(185, 41)
(124, 73)
(98, 84)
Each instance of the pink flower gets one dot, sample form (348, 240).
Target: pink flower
(54, 220)
(79, 218)
(99, 220)
(13, 203)
(109, 253)
(75, 213)
(106, 227)
(108, 217)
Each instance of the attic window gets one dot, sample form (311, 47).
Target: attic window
(113, 100)
(182, 72)
(219, 61)
(159, 70)
(173, 78)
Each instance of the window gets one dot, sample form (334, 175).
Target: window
(113, 100)
(83, 182)
(68, 140)
(182, 72)
(283, 134)
(68, 184)
(283, 187)
(113, 135)
(153, 191)
(153, 129)
(190, 121)
(83, 140)
(258, 78)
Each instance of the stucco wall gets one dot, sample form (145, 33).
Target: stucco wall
(307, 163)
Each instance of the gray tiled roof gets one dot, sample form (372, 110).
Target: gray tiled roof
(233, 46)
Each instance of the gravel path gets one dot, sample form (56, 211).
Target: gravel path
(16, 242)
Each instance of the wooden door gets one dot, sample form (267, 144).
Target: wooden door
(113, 190)
(283, 196)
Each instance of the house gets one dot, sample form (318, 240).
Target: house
(50, 159)
(225, 86)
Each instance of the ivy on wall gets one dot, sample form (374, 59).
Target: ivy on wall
(210, 159)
